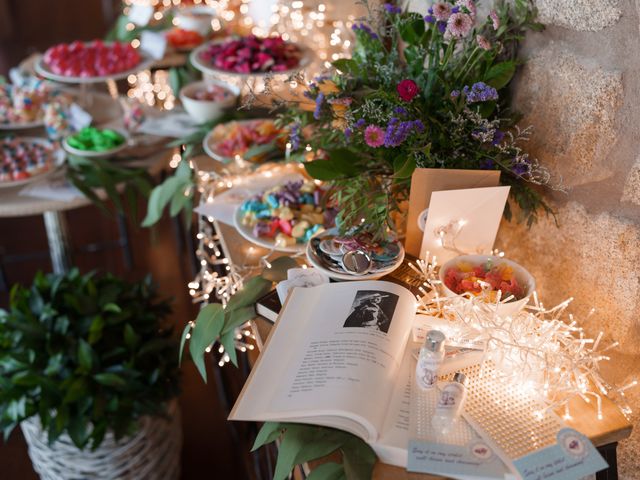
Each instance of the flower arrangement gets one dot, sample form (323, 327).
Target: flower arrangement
(419, 92)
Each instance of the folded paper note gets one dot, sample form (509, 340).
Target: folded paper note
(463, 222)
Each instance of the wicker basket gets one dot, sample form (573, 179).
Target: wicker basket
(153, 452)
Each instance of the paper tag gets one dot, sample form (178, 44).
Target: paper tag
(79, 118)
(573, 457)
(140, 14)
(153, 44)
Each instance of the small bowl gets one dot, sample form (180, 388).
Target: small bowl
(524, 278)
(197, 19)
(94, 154)
(205, 110)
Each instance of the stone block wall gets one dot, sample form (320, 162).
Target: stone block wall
(580, 91)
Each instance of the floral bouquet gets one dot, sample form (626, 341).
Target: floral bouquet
(419, 92)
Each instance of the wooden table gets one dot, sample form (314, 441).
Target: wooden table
(605, 434)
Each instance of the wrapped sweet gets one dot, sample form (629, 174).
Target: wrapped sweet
(289, 214)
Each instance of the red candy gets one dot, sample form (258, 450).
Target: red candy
(92, 59)
(465, 278)
(285, 226)
(253, 55)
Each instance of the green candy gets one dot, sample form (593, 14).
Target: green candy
(96, 140)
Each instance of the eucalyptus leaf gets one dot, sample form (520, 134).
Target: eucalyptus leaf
(327, 471)
(228, 340)
(269, 432)
(209, 323)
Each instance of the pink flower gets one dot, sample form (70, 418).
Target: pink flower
(441, 11)
(407, 89)
(374, 136)
(470, 5)
(495, 19)
(483, 43)
(459, 25)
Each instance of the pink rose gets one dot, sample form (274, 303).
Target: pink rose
(408, 89)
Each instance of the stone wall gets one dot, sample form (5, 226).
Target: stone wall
(580, 90)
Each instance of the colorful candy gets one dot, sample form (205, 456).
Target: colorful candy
(25, 103)
(236, 138)
(21, 159)
(487, 277)
(288, 213)
(184, 39)
(211, 93)
(96, 140)
(252, 55)
(78, 59)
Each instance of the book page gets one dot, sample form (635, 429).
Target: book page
(337, 347)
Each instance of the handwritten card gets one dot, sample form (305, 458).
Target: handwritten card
(463, 222)
(140, 14)
(572, 458)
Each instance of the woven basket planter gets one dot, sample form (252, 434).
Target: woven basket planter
(153, 452)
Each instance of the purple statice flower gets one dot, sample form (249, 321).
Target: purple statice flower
(520, 169)
(309, 94)
(498, 136)
(347, 133)
(430, 19)
(487, 164)
(294, 136)
(400, 111)
(360, 123)
(319, 100)
(455, 94)
(455, 9)
(364, 28)
(418, 126)
(480, 92)
(390, 8)
(442, 26)
(396, 133)
(393, 121)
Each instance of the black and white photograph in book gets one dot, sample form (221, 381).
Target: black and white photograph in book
(372, 309)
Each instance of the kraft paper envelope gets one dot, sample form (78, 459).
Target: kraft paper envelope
(473, 213)
(425, 181)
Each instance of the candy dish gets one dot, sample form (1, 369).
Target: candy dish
(251, 140)
(184, 40)
(254, 57)
(285, 217)
(342, 262)
(203, 104)
(20, 160)
(98, 67)
(462, 274)
(98, 143)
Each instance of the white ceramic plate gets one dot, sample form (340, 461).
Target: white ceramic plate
(311, 257)
(305, 60)
(22, 125)
(208, 142)
(247, 233)
(42, 68)
(93, 154)
(58, 160)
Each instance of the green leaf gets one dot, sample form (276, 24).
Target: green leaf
(237, 317)
(327, 471)
(131, 339)
(85, 356)
(209, 323)
(322, 170)
(412, 31)
(110, 380)
(358, 459)
(78, 430)
(403, 168)
(183, 340)
(253, 289)
(228, 340)
(258, 150)
(77, 389)
(340, 164)
(269, 432)
(95, 330)
(279, 267)
(347, 65)
(500, 74)
(111, 307)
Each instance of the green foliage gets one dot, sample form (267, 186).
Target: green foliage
(215, 323)
(303, 443)
(86, 354)
(92, 174)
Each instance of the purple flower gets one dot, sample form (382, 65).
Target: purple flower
(418, 126)
(455, 9)
(364, 28)
(430, 19)
(520, 169)
(294, 136)
(498, 136)
(397, 133)
(390, 8)
(400, 111)
(488, 164)
(442, 26)
(347, 133)
(319, 100)
(360, 123)
(480, 92)
(455, 94)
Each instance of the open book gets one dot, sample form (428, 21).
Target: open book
(337, 357)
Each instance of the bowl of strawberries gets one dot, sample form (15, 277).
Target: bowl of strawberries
(495, 280)
(250, 55)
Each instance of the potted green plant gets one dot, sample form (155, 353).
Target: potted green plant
(89, 371)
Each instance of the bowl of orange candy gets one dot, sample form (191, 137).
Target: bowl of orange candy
(494, 280)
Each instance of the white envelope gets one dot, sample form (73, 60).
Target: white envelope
(470, 217)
